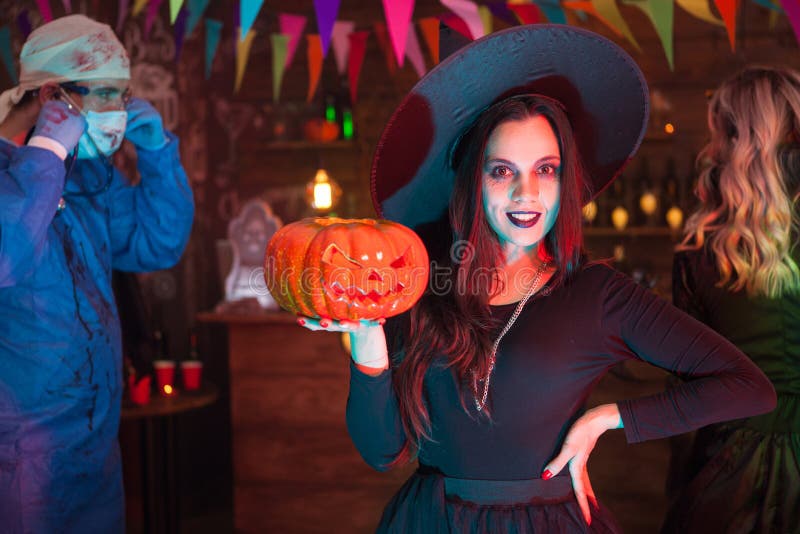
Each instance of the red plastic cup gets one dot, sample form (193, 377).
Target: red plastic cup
(192, 372)
(139, 391)
(165, 376)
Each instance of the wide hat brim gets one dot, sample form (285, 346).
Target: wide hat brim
(600, 86)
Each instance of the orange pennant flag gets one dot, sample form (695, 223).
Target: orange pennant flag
(430, 32)
(728, 10)
(314, 63)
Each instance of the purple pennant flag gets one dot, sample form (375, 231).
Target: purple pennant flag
(67, 6)
(152, 13)
(122, 14)
(501, 11)
(326, 10)
(24, 23)
(180, 31)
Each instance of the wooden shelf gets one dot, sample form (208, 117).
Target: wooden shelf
(339, 144)
(631, 231)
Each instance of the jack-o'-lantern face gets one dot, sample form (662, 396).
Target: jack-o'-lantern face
(367, 281)
(346, 269)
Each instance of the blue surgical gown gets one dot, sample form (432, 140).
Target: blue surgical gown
(60, 347)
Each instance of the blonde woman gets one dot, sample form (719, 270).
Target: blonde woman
(737, 271)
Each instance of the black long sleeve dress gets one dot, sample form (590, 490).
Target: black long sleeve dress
(563, 342)
(743, 475)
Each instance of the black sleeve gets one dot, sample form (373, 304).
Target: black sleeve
(722, 384)
(373, 416)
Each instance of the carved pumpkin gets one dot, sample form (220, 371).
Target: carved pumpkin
(346, 268)
(320, 131)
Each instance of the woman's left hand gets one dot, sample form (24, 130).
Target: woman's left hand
(578, 444)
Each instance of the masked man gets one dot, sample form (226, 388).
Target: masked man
(67, 218)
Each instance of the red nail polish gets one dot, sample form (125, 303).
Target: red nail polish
(301, 322)
(547, 475)
(381, 321)
(324, 324)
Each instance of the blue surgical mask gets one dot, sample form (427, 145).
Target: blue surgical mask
(104, 133)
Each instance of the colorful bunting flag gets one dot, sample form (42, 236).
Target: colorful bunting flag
(341, 43)
(242, 55)
(383, 42)
(552, 11)
(414, 52)
(398, 18)
(501, 11)
(44, 10)
(174, 9)
(456, 23)
(196, 9)
(152, 13)
(327, 11)
(430, 32)
(67, 6)
(468, 12)
(358, 47)
(180, 32)
(770, 4)
(122, 14)
(315, 56)
(486, 18)
(138, 6)
(607, 12)
(728, 10)
(280, 45)
(24, 23)
(792, 9)
(213, 33)
(661, 15)
(5, 52)
(700, 9)
(293, 26)
(248, 11)
(526, 13)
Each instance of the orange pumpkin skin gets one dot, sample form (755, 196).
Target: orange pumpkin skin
(320, 131)
(346, 268)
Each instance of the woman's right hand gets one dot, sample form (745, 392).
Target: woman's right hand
(367, 340)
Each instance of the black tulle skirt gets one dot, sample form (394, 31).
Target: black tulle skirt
(426, 504)
(744, 477)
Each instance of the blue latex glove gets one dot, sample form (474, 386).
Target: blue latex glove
(145, 128)
(61, 123)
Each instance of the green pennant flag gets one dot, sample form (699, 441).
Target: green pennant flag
(5, 51)
(280, 45)
(661, 14)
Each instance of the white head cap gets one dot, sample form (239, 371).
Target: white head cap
(71, 48)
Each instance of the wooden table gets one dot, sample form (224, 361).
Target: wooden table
(159, 465)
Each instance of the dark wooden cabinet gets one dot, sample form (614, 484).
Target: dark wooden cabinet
(294, 466)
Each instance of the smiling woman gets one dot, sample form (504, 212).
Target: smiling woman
(486, 383)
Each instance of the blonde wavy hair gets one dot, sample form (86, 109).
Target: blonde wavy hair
(748, 183)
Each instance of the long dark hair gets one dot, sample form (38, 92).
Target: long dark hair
(454, 320)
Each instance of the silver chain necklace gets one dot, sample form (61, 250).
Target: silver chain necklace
(479, 404)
